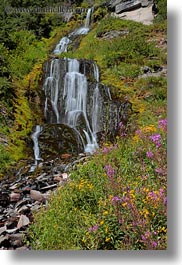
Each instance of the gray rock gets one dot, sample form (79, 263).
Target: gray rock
(23, 221)
(113, 3)
(14, 197)
(2, 230)
(145, 3)
(127, 6)
(36, 195)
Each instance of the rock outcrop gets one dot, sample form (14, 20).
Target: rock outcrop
(120, 6)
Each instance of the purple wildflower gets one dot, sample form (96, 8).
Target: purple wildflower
(154, 244)
(110, 171)
(143, 238)
(161, 191)
(160, 171)
(165, 201)
(162, 124)
(105, 150)
(149, 154)
(155, 138)
(120, 125)
(93, 228)
(116, 199)
(139, 132)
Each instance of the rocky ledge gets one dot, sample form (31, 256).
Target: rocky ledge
(138, 10)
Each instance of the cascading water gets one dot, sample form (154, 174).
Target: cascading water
(35, 137)
(96, 105)
(75, 97)
(51, 88)
(62, 46)
(85, 29)
(72, 100)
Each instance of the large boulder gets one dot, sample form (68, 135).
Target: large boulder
(127, 6)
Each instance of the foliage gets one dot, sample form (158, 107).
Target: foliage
(4, 159)
(162, 10)
(115, 201)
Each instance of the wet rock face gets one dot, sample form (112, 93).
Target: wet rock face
(107, 107)
(58, 139)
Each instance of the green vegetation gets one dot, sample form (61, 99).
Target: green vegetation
(118, 199)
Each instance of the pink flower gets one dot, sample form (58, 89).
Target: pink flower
(154, 244)
(149, 154)
(162, 124)
(93, 228)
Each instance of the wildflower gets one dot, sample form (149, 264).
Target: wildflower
(105, 150)
(124, 204)
(105, 212)
(154, 244)
(155, 138)
(107, 239)
(102, 222)
(160, 171)
(162, 124)
(165, 201)
(116, 199)
(149, 154)
(110, 171)
(150, 128)
(93, 228)
(120, 125)
(139, 132)
(161, 191)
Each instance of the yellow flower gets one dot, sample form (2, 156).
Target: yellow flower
(107, 239)
(102, 222)
(150, 128)
(124, 204)
(163, 229)
(105, 213)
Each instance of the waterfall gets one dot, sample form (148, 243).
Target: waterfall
(96, 103)
(70, 99)
(62, 46)
(75, 98)
(85, 29)
(51, 88)
(35, 137)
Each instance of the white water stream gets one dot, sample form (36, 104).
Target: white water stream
(74, 95)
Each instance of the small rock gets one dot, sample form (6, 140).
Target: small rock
(2, 229)
(57, 178)
(23, 221)
(24, 209)
(65, 176)
(4, 199)
(36, 195)
(16, 240)
(65, 156)
(11, 231)
(14, 197)
(4, 241)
